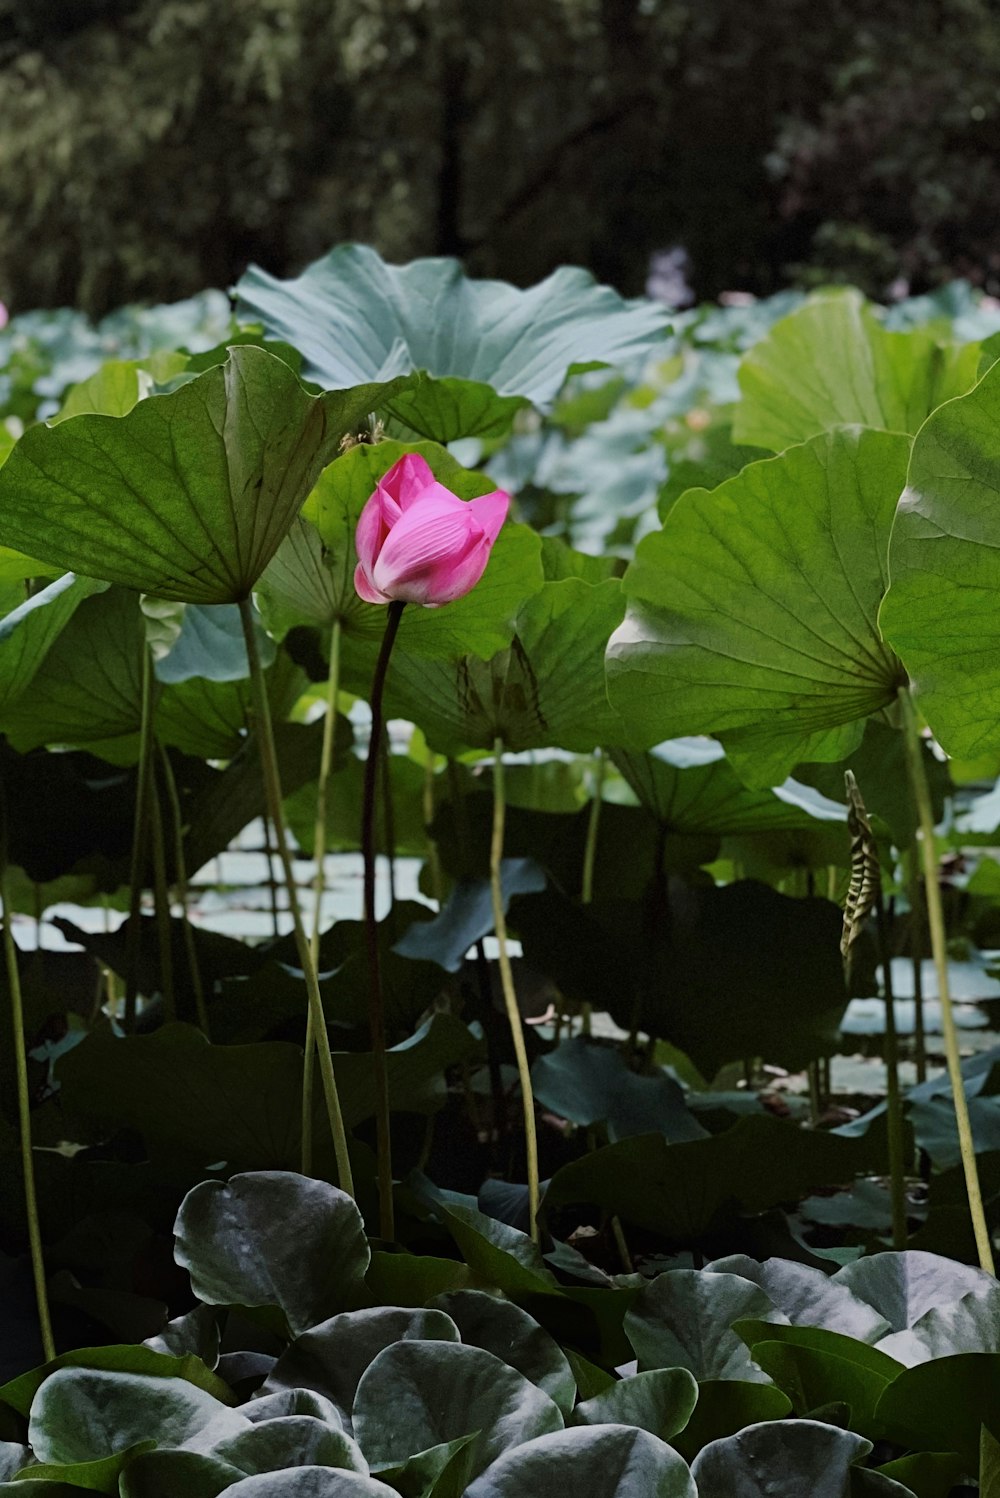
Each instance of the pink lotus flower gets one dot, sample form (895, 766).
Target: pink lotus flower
(419, 543)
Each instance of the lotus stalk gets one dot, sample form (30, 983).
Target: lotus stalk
(507, 985)
(274, 797)
(319, 886)
(935, 919)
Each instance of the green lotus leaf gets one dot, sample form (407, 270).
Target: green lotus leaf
(603, 1461)
(831, 363)
(273, 1238)
(752, 613)
(940, 610)
(355, 318)
(188, 495)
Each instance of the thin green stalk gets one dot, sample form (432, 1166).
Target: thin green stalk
(180, 879)
(911, 864)
(272, 883)
(507, 984)
(272, 786)
(24, 1120)
(935, 916)
(144, 776)
(894, 1102)
(161, 897)
(589, 859)
(319, 887)
(376, 1013)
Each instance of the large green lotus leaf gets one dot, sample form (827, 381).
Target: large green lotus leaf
(546, 689)
(684, 1319)
(816, 1367)
(242, 1103)
(466, 916)
(88, 690)
(720, 975)
(781, 1459)
(942, 1405)
(290, 1441)
(807, 1296)
(124, 1359)
(903, 1286)
(273, 1238)
(330, 1358)
(481, 623)
(971, 1324)
(989, 1464)
(188, 495)
(119, 384)
(940, 612)
(309, 1482)
(83, 1415)
(416, 1395)
(603, 1461)
(28, 633)
(831, 363)
(353, 317)
(694, 791)
(752, 613)
(661, 1401)
(725, 1406)
(682, 1190)
(590, 1084)
(516, 1338)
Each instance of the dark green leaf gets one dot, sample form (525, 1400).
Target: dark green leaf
(781, 1459)
(272, 1238)
(661, 1401)
(603, 1461)
(332, 1357)
(416, 1395)
(684, 1319)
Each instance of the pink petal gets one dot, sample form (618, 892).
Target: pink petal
(435, 554)
(491, 512)
(365, 589)
(407, 479)
(375, 522)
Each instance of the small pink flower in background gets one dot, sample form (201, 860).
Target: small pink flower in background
(4, 316)
(419, 543)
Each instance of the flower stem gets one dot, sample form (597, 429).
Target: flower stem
(24, 1113)
(272, 787)
(180, 876)
(319, 888)
(935, 917)
(507, 983)
(376, 1011)
(133, 935)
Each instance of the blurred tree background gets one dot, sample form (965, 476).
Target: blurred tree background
(149, 148)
